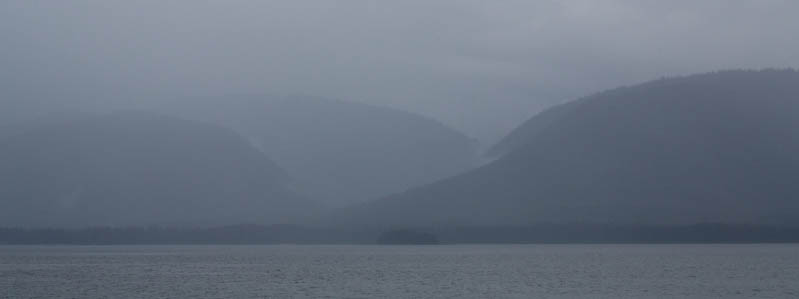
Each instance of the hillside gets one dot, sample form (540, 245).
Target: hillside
(717, 147)
(136, 168)
(339, 152)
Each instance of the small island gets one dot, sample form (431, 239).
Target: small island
(407, 237)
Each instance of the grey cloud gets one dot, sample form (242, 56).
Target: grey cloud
(481, 66)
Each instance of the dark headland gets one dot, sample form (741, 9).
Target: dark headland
(289, 234)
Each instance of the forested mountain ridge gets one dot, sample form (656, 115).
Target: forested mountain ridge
(717, 147)
(137, 168)
(339, 152)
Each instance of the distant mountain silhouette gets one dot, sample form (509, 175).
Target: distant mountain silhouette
(136, 168)
(340, 152)
(718, 147)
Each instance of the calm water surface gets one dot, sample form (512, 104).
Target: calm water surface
(449, 271)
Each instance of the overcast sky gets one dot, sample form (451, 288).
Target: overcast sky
(480, 66)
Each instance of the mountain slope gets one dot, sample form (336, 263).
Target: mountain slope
(529, 129)
(137, 168)
(719, 147)
(341, 152)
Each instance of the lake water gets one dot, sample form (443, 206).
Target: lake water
(448, 271)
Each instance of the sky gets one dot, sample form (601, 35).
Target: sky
(482, 67)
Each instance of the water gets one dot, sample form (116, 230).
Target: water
(454, 271)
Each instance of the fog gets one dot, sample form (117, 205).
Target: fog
(437, 114)
(482, 67)
(327, 148)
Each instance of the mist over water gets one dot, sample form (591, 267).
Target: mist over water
(414, 114)
(139, 125)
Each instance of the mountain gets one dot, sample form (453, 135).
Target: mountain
(527, 131)
(137, 168)
(716, 147)
(340, 152)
